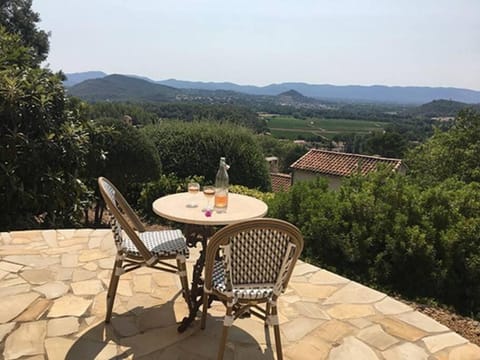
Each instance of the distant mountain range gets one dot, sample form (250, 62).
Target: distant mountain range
(81, 83)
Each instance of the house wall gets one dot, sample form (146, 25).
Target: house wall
(300, 175)
(334, 182)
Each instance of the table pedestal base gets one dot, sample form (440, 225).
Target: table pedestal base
(196, 234)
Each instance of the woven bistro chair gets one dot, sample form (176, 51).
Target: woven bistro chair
(248, 264)
(137, 247)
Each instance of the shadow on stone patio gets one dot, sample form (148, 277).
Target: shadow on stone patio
(52, 299)
(151, 333)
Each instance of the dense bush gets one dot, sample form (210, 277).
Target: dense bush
(42, 144)
(386, 143)
(164, 185)
(450, 154)
(312, 208)
(188, 149)
(257, 194)
(123, 154)
(386, 231)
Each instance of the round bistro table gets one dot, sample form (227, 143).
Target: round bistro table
(199, 227)
(240, 207)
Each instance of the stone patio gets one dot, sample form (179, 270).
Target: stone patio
(52, 304)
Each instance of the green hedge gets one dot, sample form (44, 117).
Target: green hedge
(243, 190)
(123, 154)
(164, 185)
(188, 149)
(385, 231)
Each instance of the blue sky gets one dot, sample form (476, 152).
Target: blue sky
(340, 42)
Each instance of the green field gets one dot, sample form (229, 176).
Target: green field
(291, 128)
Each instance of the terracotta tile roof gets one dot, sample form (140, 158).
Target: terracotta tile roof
(341, 164)
(280, 182)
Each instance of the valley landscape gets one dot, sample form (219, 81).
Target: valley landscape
(286, 113)
(399, 230)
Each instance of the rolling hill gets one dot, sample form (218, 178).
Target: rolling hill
(77, 78)
(441, 108)
(122, 88)
(127, 88)
(350, 93)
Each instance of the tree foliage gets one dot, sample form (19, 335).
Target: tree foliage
(188, 149)
(388, 144)
(42, 143)
(377, 228)
(449, 154)
(17, 17)
(138, 114)
(164, 185)
(286, 151)
(220, 113)
(123, 154)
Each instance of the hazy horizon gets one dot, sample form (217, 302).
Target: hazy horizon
(433, 43)
(140, 76)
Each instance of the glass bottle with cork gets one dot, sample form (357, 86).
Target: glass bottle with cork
(221, 187)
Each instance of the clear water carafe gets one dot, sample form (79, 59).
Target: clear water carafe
(221, 187)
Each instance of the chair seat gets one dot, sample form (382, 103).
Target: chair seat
(247, 292)
(161, 243)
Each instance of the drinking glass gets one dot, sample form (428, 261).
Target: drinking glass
(193, 189)
(209, 192)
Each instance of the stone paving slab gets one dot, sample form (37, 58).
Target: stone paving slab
(53, 285)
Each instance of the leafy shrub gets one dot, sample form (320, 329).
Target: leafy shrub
(257, 194)
(452, 209)
(386, 231)
(42, 144)
(123, 154)
(450, 154)
(187, 149)
(164, 185)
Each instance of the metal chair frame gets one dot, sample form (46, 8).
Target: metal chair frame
(124, 221)
(259, 234)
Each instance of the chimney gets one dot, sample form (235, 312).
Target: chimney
(272, 164)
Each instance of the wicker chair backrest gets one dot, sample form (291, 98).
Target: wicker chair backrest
(122, 217)
(257, 255)
(256, 252)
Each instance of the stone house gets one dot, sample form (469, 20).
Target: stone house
(334, 166)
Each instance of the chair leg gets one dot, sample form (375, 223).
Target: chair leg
(227, 322)
(267, 312)
(112, 287)
(276, 330)
(182, 269)
(204, 310)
